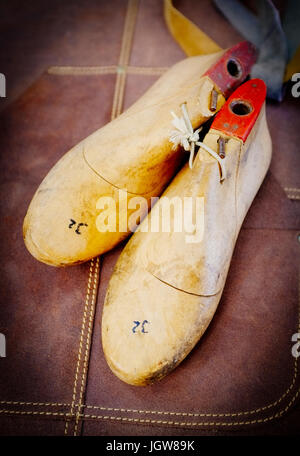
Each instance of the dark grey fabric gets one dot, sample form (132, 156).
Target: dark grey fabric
(276, 42)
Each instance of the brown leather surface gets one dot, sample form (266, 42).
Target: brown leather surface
(37, 35)
(241, 377)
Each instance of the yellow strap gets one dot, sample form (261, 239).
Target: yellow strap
(293, 66)
(189, 37)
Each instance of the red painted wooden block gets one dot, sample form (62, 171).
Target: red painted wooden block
(241, 110)
(233, 68)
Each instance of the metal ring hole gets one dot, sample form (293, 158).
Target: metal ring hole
(234, 68)
(240, 107)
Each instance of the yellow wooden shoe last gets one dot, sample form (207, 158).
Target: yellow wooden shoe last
(132, 153)
(166, 286)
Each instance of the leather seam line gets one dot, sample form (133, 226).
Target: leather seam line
(105, 69)
(162, 422)
(88, 341)
(78, 365)
(293, 197)
(292, 189)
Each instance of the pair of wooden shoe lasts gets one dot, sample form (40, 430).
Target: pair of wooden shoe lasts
(167, 283)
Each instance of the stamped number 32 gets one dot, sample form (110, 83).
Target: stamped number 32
(142, 327)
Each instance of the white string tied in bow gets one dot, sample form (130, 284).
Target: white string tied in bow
(185, 136)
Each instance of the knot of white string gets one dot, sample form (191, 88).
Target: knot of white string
(185, 136)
